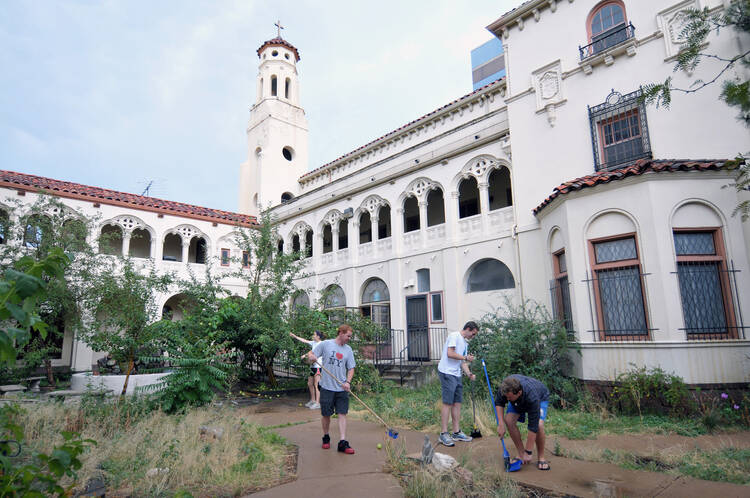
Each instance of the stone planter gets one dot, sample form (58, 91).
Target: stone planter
(84, 380)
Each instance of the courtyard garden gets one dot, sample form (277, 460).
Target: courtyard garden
(232, 379)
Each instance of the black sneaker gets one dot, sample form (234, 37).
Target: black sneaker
(326, 442)
(345, 448)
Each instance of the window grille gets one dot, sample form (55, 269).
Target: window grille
(560, 292)
(619, 131)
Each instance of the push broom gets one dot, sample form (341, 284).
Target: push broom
(509, 466)
(391, 433)
(475, 432)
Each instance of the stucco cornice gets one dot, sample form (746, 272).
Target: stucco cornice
(518, 16)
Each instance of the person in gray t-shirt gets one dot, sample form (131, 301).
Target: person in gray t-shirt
(335, 383)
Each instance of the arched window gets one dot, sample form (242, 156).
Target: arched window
(489, 274)
(274, 85)
(172, 247)
(74, 235)
(468, 198)
(343, 234)
(300, 299)
(309, 243)
(197, 250)
(499, 189)
(411, 214)
(327, 239)
(110, 240)
(607, 26)
(384, 222)
(4, 225)
(280, 246)
(365, 228)
(375, 303)
(435, 208)
(140, 243)
(295, 243)
(334, 297)
(37, 228)
(287, 84)
(286, 197)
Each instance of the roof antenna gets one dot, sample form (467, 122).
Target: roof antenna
(147, 190)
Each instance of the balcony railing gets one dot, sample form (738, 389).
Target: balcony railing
(606, 40)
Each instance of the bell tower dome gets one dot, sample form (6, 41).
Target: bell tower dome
(276, 133)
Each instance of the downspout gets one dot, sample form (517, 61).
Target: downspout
(514, 230)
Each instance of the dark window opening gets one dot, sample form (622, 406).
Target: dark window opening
(411, 214)
(435, 208)
(365, 228)
(468, 198)
(343, 234)
(384, 222)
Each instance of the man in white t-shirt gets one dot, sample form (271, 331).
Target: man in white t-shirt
(453, 360)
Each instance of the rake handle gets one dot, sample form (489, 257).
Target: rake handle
(356, 397)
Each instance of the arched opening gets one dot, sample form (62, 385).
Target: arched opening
(172, 248)
(435, 208)
(343, 234)
(73, 234)
(365, 228)
(300, 299)
(376, 303)
(468, 198)
(110, 240)
(606, 26)
(197, 250)
(295, 243)
(140, 243)
(274, 85)
(288, 153)
(384, 222)
(489, 274)
(4, 226)
(286, 197)
(175, 307)
(411, 214)
(334, 297)
(287, 84)
(327, 239)
(280, 246)
(309, 243)
(499, 189)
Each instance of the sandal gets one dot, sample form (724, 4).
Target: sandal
(542, 465)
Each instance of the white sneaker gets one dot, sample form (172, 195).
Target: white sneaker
(315, 406)
(309, 403)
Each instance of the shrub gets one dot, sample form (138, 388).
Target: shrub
(650, 390)
(524, 339)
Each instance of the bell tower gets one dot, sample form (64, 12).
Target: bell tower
(276, 133)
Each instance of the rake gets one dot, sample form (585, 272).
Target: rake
(391, 432)
(509, 466)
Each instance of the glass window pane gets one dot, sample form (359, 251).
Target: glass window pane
(615, 250)
(596, 24)
(301, 299)
(561, 263)
(490, 274)
(423, 280)
(686, 243)
(334, 297)
(702, 298)
(437, 308)
(621, 299)
(375, 291)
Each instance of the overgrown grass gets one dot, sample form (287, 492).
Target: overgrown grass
(725, 465)
(132, 441)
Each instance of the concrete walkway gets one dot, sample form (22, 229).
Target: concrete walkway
(328, 471)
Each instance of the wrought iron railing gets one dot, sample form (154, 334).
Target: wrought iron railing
(710, 301)
(616, 301)
(619, 131)
(608, 39)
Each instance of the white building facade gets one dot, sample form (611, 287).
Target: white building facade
(553, 184)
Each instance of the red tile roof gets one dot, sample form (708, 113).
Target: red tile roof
(279, 42)
(468, 95)
(640, 167)
(33, 183)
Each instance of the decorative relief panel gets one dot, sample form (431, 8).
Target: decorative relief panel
(420, 187)
(479, 167)
(187, 232)
(129, 223)
(547, 83)
(373, 203)
(301, 229)
(332, 218)
(671, 22)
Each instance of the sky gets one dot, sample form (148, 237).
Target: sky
(121, 94)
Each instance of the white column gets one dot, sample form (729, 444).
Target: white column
(354, 241)
(451, 217)
(484, 205)
(185, 247)
(335, 237)
(422, 222)
(152, 248)
(126, 244)
(397, 231)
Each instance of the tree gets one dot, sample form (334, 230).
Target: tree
(262, 327)
(698, 25)
(121, 302)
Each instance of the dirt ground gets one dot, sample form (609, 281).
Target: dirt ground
(328, 470)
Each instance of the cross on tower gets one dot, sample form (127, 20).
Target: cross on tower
(279, 27)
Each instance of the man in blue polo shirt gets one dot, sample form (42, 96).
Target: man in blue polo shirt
(525, 396)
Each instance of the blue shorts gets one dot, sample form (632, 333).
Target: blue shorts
(451, 387)
(522, 416)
